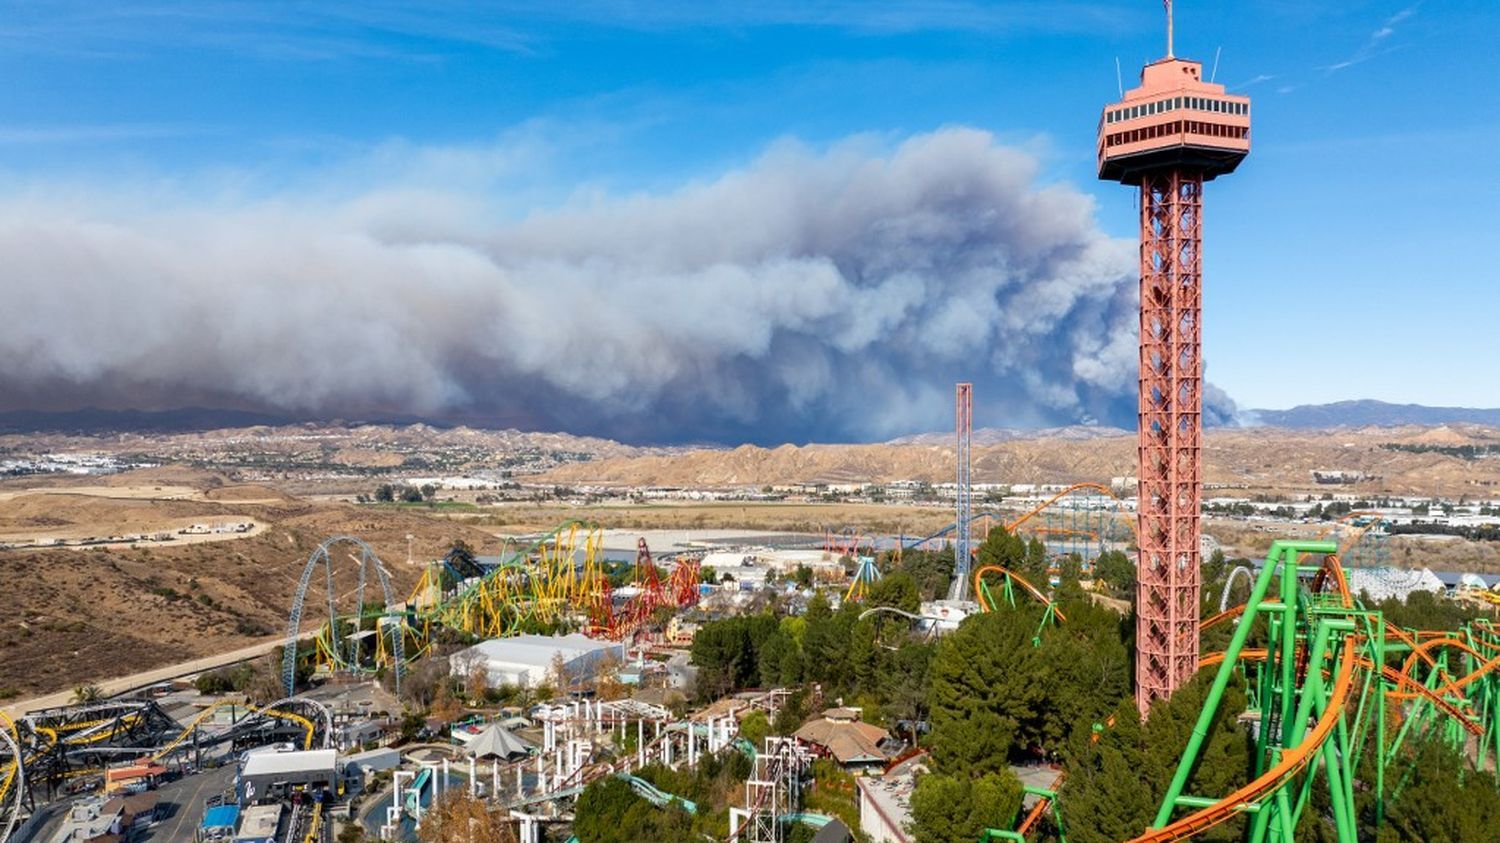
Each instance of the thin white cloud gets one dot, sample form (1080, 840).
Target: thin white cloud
(325, 30)
(1253, 81)
(262, 29)
(1376, 43)
(1000, 16)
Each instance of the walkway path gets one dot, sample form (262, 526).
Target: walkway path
(120, 685)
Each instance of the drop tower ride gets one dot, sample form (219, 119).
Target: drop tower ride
(1166, 138)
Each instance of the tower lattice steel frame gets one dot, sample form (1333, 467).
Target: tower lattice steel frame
(963, 401)
(1170, 434)
(1167, 137)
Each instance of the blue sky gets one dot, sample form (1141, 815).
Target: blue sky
(1351, 256)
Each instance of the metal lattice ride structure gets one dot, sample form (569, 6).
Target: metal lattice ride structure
(1332, 683)
(1083, 520)
(771, 793)
(558, 579)
(14, 796)
(865, 573)
(963, 522)
(619, 615)
(1363, 539)
(63, 743)
(844, 543)
(1091, 519)
(1009, 584)
(339, 640)
(44, 750)
(1080, 531)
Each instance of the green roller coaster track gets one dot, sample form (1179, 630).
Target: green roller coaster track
(1333, 681)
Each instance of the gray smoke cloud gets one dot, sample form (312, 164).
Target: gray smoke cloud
(812, 295)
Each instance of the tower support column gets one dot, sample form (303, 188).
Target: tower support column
(963, 411)
(1170, 433)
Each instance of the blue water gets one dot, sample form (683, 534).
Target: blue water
(374, 816)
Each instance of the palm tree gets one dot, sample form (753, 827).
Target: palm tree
(87, 693)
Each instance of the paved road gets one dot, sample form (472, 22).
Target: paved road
(181, 804)
(122, 684)
(186, 797)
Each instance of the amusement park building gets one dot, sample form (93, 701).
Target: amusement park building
(841, 735)
(276, 775)
(524, 661)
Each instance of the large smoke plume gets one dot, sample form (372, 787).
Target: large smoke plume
(812, 295)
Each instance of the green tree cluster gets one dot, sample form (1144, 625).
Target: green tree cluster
(930, 570)
(999, 693)
(1114, 570)
(714, 780)
(226, 679)
(957, 809)
(727, 653)
(875, 660)
(1444, 801)
(609, 811)
(1117, 775)
(390, 493)
(1425, 610)
(755, 727)
(1027, 558)
(803, 576)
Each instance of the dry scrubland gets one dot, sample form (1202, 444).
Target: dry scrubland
(79, 615)
(516, 518)
(1239, 460)
(1253, 539)
(86, 614)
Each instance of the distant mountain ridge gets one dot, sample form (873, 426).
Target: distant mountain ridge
(1369, 413)
(94, 420)
(996, 435)
(1358, 413)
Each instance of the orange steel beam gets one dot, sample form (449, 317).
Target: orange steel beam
(1031, 589)
(1420, 690)
(1040, 807)
(1104, 490)
(1215, 620)
(1292, 761)
(1454, 685)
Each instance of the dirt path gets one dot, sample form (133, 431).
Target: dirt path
(120, 685)
(79, 538)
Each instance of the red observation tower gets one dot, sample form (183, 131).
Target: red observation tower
(1167, 137)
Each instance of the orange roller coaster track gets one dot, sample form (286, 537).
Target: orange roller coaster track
(1321, 647)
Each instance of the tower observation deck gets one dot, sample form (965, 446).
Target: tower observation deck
(1167, 137)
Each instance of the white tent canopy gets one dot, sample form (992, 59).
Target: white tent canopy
(498, 742)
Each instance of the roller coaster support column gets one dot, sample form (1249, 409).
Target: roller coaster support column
(1293, 691)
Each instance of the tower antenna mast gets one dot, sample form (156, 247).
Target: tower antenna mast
(1168, 4)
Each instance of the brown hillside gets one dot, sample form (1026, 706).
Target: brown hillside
(83, 615)
(1251, 459)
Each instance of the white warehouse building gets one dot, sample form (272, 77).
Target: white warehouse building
(524, 661)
